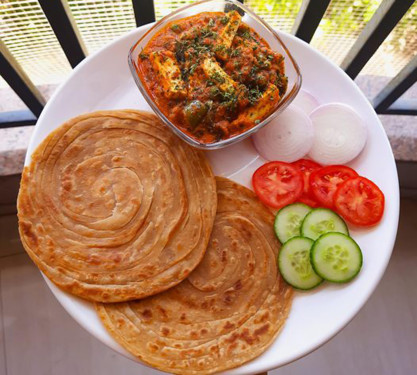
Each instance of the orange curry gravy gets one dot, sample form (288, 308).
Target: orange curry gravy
(212, 75)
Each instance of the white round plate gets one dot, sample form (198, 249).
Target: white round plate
(103, 81)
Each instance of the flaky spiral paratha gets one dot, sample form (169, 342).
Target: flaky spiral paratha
(115, 207)
(230, 308)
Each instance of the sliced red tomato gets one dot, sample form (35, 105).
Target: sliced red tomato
(306, 199)
(306, 167)
(277, 184)
(325, 181)
(360, 201)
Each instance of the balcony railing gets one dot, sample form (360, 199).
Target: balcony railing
(385, 18)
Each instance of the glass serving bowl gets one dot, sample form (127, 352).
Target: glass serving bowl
(261, 27)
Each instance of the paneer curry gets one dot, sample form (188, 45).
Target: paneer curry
(212, 75)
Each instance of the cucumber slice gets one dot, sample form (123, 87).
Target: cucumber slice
(320, 221)
(294, 263)
(336, 257)
(288, 221)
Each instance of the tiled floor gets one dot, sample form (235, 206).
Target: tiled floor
(37, 337)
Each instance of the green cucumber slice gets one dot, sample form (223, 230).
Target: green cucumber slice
(294, 264)
(320, 221)
(289, 219)
(336, 257)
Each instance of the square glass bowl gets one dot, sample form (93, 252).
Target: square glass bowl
(251, 19)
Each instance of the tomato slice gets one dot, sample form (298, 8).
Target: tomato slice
(277, 184)
(324, 182)
(306, 199)
(306, 167)
(360, 201)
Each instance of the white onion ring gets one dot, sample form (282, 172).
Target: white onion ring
(287, 138)
(340, 134)
(305, 101)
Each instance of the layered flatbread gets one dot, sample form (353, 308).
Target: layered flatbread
(114, 207)
(228, 311)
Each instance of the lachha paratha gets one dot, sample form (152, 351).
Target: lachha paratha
(115, 207)
(230, 308)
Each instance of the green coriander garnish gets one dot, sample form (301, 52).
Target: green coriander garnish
(143, 55)
(254, 94)
(235, 52)
(224, 20)
(216, 76)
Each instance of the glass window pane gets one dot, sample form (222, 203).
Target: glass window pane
(398, 49)
(101, 21)
(342, 23)
(393, 54)
(164, 7)
(29, 37)
(278, 13)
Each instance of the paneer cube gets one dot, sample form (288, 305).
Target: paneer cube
(227, 34)
(169, 74)
(218, 76)
(261, 109)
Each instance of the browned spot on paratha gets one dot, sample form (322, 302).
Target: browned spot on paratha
(115, 207)
(227, 312)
